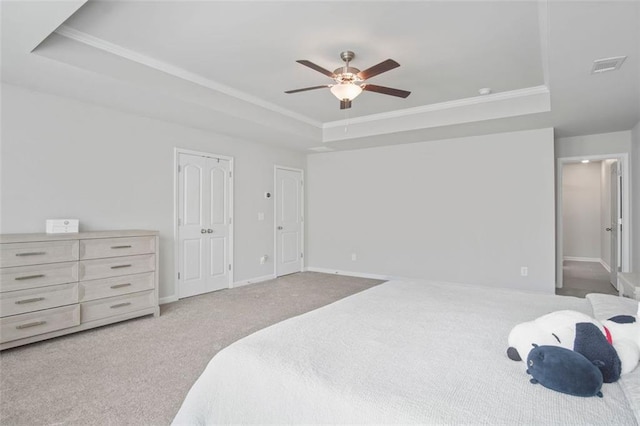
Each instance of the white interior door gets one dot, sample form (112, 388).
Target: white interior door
(616, 222)
(203, 224)
(289, 221)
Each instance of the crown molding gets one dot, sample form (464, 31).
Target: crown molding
(504, 105)
(181, 73)
(476, 100)
(98, 43)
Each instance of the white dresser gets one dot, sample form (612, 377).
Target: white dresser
(629, 284)
(56, 284)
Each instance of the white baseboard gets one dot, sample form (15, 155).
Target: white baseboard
(253, 280)
(168, 299)
(582, 259)
(174, 298)
(352, 273)
(605, 265)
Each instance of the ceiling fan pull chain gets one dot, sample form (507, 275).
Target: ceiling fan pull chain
(346, 124)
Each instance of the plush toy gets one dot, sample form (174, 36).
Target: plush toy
(615, 343)
(556, 329)
(594, 346)
(564, 370)
(625, 338)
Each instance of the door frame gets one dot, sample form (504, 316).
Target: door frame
(176, 208)
(275, 216)
(623, 160)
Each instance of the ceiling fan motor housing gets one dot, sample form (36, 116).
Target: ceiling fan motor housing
(346, 75)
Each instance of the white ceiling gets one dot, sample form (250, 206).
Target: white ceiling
(224, 66)
(252, 47)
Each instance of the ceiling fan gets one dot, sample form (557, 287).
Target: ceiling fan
(348, 79)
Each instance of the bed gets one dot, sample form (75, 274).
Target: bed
(403, 352)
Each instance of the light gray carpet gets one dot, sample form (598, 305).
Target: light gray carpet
(139, 371)
(582, 278)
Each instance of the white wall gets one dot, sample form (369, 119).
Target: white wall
(635, 197)
(600, 144)
(112, 170)
(581, 210)
(472, 210)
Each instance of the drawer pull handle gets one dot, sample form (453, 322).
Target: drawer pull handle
(120, 247)
(33, 253)
(35, 299)
(121, 285)
(120, 305)
(31, 324)
(120, 266)
(29, 277)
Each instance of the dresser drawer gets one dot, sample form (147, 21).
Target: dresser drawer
(113, 247)
(24, 277)
(105, 308)
(21, 254)
(116, 266)
(37, 299)
(96, 289)
(34, 323)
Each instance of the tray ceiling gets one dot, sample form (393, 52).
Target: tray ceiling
(224, 65)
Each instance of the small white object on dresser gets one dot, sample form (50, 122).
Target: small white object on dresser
(62, 226)
(56, 284)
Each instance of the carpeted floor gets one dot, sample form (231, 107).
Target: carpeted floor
(139, 371)
(582, 278)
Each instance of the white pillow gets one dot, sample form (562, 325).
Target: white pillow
(606, 306)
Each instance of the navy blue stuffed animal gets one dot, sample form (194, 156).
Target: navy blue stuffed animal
(614, 342)
(564, 370)
(591, 343)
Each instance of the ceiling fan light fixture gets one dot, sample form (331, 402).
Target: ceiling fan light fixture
(346, 91)
(347, 80)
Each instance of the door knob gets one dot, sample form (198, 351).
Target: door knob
(209, 231)
(607, 229)
(203, 231)
(280, 228)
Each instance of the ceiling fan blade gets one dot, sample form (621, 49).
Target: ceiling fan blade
(307, 88)
(316, 67)
(345, 104)
(385, 90)
(383, 66)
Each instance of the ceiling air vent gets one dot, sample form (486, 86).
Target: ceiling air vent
(607, 64)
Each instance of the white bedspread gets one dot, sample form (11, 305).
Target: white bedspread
(401, 352)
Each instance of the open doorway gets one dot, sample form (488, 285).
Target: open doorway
(592, 241)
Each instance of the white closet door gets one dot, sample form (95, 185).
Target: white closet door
(616, 223)
(204, 224)
(289, 221)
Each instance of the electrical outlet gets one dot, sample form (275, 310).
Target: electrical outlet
(524, 271)
(263, 259)
(260, 216)
(354, 257)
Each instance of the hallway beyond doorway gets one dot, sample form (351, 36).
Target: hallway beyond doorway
(581, 278)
